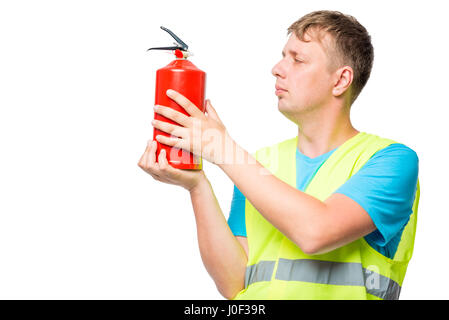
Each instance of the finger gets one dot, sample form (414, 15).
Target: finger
(172, 141)
(163, 163)
(211, 111)
(152, 163)
(152, 154)
(169, 128)
(147, 161)
(144, 157)
(185, 103)
(172, 114)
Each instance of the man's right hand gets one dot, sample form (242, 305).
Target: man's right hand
(164, 172)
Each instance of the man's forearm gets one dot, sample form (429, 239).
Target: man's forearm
(296, 214)
(222, 255)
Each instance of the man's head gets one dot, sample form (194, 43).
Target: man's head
(328, 55)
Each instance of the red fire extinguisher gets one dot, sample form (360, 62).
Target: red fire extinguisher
(183, 76)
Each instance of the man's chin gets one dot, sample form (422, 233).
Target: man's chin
(287, 112)
(283, 106)
(290, 116)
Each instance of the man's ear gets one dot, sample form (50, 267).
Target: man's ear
(343, 80)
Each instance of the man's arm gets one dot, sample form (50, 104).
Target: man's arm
(313, 225)
(223, 255)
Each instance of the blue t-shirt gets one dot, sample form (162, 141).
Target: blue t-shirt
(385, 187)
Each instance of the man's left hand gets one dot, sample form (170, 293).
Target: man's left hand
(202, 134)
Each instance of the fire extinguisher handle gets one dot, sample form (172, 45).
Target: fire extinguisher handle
(181, 45)
(166, 48)
(178, 40)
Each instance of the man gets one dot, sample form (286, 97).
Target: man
(329, 214)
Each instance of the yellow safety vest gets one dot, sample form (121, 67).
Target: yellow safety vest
(278, 269)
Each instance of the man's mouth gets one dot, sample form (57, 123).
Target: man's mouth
(279, 90)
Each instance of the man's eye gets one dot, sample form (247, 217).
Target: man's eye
(296, 60)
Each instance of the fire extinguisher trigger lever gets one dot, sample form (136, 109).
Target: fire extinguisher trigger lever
(179, 44)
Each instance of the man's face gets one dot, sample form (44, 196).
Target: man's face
(302, 77)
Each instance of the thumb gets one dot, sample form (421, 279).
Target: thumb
(211, 111)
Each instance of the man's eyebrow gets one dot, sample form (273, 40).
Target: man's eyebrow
(292, 52)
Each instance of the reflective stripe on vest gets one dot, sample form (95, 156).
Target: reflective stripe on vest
(325, 272)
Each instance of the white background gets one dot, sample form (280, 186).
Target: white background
(80, 220)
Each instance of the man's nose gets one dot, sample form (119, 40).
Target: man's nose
(278, 70)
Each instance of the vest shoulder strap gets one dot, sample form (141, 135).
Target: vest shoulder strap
(346, 161)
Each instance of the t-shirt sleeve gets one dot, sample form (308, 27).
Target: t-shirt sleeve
(236, 220)
(385, 187)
